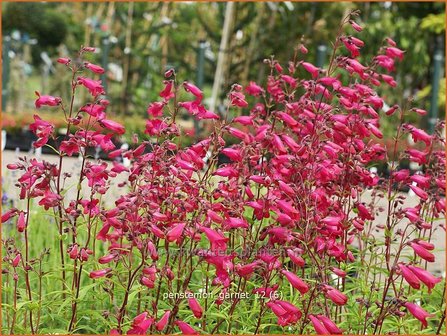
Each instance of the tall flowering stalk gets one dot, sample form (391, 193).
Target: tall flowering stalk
(288, 220)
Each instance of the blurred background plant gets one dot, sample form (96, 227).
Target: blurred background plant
(139, 41)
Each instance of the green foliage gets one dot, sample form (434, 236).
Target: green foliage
(425, 93)
(434, 23)
(39, 20)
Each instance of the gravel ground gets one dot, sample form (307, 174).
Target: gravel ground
(72, 165)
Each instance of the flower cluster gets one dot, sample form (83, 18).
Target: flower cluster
(296, 181)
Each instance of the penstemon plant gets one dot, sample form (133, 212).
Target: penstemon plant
(294, 235)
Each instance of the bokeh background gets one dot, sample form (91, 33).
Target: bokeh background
(137, 42)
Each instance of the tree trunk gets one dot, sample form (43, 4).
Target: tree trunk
(229, 13)
(127, 44)
(251, 50)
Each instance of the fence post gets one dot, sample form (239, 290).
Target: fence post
(5, 73)
(321, 55)
(105, 59)
(200, 74)
(437, 64)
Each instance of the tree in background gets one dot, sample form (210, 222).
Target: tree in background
(39, 20)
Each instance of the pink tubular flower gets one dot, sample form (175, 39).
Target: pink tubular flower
(395, 52)
(99, 273)
(353, 49)
(63, 60)
(175, 232)
(161, 324)
(329, 325)
(46, 100)
(246, 270)
(374, 130)
(42, 129)
(286, 312)
(8, 215)
(213, 216)
(336, 296)
(319, 327)
(195, 307)
(88, 49)
(244, 120)
(292, 144)
(389, 80)
(167, 92)
(156, 109)
(237, 133)
(425, 277)
(16, 260)
(390, 42)
(287, 118)
(50, 200)
(412, 214)
(94, 86)
(238, 99)
(401, 175)
(293, 314)
(419, 192)
(96, 174)
(355, 26)
(95, 110)
(419, 111)
(330, 81)
(141, 324)
(418, 312)
(409, 276)
(425, 244)
(233, 153)
(217, 240)
(94, 68)
(113, 126)
(422, 252)
(391, 110)
(227, 172)
(203, 113)
(21, 222)
(288, 208)
(385, 62)
(417, 156)
(421, 180)
(296, 282)
(296, 259)
(193, 90)
(155, 127)
(312, 69)
(356, 66)
(234, 223)
(420, 135)
(254, 89)
(185, 328)
(106, 259)
(303, 49)
(289, 80)
(73, 252)
(338, 272)
(148, 282)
